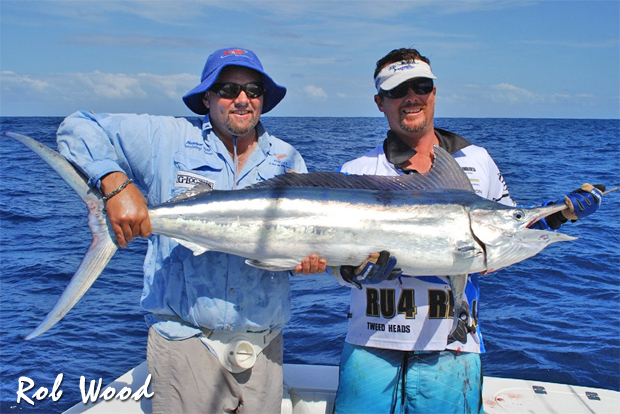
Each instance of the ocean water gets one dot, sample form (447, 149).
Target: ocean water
(554, 317)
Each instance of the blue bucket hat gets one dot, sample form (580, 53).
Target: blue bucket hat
(232, 57)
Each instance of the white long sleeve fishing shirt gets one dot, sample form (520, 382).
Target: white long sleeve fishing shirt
(413, 313)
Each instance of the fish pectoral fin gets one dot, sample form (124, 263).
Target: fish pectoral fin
(467, 251)
(196, 248)
(271, 265)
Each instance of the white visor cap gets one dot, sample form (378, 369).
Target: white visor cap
(396, 73)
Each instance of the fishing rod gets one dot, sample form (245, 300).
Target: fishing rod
(611, 191)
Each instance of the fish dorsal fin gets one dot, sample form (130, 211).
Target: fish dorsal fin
(195, 191)
(446, 173)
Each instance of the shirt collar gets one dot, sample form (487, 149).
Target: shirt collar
(397, 152)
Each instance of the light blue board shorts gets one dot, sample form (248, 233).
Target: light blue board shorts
(376, 380)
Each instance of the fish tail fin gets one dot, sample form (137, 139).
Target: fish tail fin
(97, 257)
(102, 247)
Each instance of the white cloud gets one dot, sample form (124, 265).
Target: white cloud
(112, 86)
(63, 93)
(505, 92)
(315, 92)
(511, 95)
(171, 86)
(12, 81)
(140, 41)
(106, 85)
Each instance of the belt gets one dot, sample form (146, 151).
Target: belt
(236, 351)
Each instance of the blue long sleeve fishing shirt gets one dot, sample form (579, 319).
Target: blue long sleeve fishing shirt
(165, 156)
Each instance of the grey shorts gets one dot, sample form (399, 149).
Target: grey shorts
(187, 378)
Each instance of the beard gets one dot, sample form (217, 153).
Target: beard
(240, 129)
(409, 129)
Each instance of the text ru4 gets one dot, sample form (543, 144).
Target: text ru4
(93, 394)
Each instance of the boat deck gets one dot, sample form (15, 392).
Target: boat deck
(311, 389)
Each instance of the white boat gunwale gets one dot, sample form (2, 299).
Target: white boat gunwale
(311, 389)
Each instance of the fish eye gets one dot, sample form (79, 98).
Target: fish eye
(518, 214)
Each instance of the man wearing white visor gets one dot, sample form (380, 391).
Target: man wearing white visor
(400, 354)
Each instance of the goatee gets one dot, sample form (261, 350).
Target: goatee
(409, 129)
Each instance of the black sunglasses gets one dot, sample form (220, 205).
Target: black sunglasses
(421, 86)
(232, 90)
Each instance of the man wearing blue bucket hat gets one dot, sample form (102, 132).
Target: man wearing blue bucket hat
(199, 307)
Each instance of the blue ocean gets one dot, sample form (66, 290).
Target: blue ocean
(554, 317)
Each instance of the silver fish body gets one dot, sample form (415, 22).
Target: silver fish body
(433, 224)
(429, 232)
(432, 232)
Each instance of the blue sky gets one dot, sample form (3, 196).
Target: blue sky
(518, 59)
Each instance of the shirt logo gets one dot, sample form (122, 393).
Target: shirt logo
(189, 180)
(193, 145)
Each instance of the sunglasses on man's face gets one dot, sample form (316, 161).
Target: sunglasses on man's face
(232, 90)
(421, 86)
